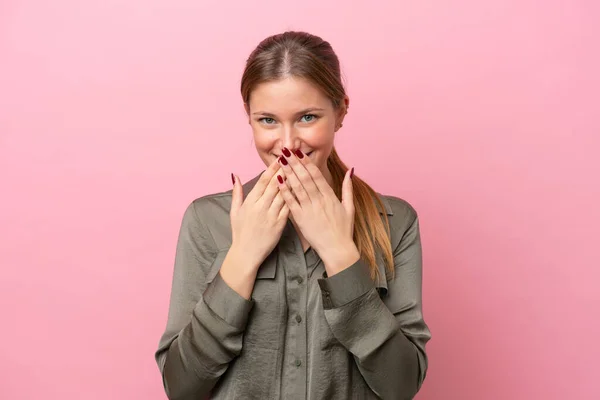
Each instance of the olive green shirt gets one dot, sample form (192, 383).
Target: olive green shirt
(302, 335)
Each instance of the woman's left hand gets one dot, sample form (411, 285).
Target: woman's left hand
(326, 223)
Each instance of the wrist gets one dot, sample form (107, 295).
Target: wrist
(339, 258)
(243, 256)
(238, 274)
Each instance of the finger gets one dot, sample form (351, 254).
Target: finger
(237, 195)
(315, 174)
(290, 188)
(347, 192)
(288, 197)
(285, 212)
(302, 174)
(294, 182)
(264, 180)
(277, 203)
(271, 191)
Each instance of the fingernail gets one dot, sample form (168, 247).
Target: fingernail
(283, 160)
(286, 152)
(280, 179)
(351, 172)
(232, 178)
(299, 154)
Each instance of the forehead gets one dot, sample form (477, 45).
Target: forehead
(287, 95)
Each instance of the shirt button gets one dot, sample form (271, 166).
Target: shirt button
(300, 280)
(298, 362)
(298, 318)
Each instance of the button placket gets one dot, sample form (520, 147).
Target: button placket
(294, 374)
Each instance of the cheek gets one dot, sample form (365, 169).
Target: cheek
(321, 136)
(262, 139)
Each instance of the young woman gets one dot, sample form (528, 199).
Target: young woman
(303, 283)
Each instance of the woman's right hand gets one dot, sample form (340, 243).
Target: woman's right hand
(257, 223)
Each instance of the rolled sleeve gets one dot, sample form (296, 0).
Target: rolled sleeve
(227, 304)
(346, 286)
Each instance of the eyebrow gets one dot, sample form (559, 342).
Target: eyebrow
(306, 111)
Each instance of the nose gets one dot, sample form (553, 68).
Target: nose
(289, 137)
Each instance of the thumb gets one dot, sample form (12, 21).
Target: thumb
(347, 192)
(237, 195)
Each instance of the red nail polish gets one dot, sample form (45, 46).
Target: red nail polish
(351, 172)
(280, 179)
(299, 154)
(283, 160)
(233, 178)
(286, 152)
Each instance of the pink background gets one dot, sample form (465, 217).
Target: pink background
(483, 114)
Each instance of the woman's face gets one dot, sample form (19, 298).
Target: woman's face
(293, 113)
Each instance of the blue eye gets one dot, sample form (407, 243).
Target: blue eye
(309, 117)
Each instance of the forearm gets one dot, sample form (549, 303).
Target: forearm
(203, 349)
(387, 359)
(391, 364)
(239, 272)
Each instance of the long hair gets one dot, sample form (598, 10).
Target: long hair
(300, 54)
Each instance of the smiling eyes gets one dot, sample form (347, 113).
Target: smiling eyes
(306, 118)
(311, 117)
(268, 121)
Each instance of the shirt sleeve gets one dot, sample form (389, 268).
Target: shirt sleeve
(206, 317)
(387, 336)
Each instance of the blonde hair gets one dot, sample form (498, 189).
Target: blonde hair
(301, 54)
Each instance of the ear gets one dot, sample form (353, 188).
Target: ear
(341, 113)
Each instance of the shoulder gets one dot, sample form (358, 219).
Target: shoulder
(209, 215)
(401, 213)
(398, 207)
(212, 203)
